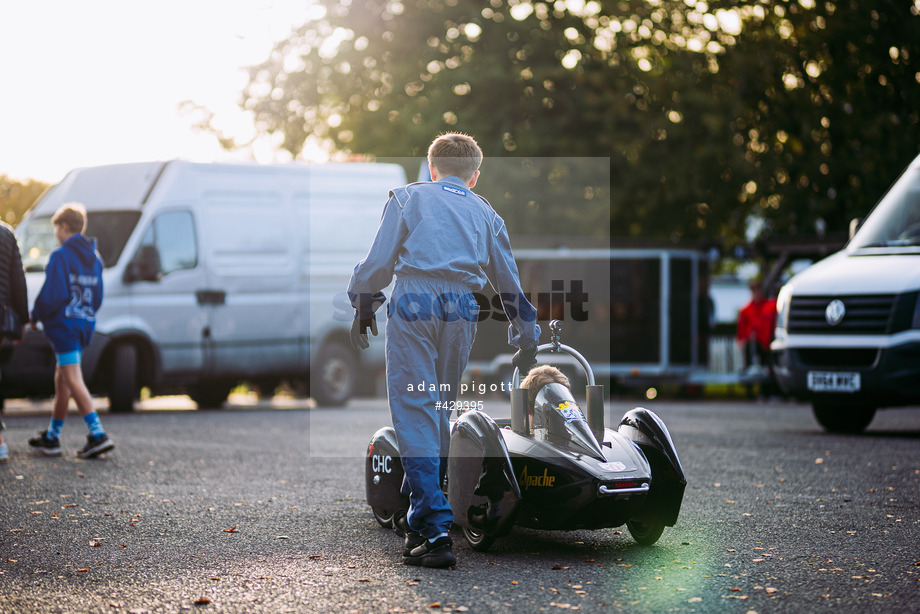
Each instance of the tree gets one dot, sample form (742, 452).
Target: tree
(16, 197)
(830, 93)
(711, 114)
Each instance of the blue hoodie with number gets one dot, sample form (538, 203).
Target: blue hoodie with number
(72, 293)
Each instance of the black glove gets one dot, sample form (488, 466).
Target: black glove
(525, 359)
(359, 330)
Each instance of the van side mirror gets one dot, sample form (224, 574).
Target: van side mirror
(145, 266)
(855, 223)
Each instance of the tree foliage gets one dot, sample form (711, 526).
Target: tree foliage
(709, 113)
(16, 197)
(831, 107)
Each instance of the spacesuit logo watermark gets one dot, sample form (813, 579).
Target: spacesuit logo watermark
(477, 307)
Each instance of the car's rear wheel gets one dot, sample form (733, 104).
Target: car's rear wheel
(383, 517)
(478, 540)
(645, 533)
(838, 417)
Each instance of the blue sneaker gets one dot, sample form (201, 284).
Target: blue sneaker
(44, 445)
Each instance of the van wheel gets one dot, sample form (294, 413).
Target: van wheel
(210, 395)
(334, 375)
(838, 417)
(123, 389)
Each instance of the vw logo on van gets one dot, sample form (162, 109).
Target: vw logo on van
(835, 312)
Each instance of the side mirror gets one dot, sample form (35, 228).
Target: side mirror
(855, 223)
(145, 266)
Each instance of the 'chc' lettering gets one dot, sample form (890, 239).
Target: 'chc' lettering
(380, 464)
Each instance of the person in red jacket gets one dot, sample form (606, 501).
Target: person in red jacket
(756, 324)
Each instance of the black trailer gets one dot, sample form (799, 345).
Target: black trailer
(639, 316)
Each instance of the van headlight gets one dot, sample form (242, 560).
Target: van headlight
(782, 309)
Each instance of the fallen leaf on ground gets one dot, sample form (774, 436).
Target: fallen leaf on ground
(230, 530)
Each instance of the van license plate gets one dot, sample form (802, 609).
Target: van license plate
(830, 381)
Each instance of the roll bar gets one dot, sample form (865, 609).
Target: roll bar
(556, 347)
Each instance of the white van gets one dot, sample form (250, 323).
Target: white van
(214, 273)
(848, 328)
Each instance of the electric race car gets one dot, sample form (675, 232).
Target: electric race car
(550, 466)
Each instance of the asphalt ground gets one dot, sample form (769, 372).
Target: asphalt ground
(260, 508)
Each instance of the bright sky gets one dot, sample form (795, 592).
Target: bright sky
(88, 82)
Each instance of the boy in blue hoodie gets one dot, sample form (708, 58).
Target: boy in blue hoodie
(66, 306)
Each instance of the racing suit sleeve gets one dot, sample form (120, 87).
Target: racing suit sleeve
(375, 272)
(55, 292)
(502, 271)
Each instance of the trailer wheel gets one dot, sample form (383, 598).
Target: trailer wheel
(478, 540)
(838, 417)
(211, 395)
(645, 533)
(123, 388)
(334, 376)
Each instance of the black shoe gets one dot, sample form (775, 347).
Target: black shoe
(96, 446)
(45, 445)
(412, 538)
(413, 541)
(432, 554)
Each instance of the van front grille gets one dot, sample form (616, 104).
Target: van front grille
(864, 314)
(837, 357)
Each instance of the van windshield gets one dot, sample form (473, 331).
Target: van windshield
(895, 222)
(110, 228)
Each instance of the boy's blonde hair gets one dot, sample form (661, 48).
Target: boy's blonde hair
(541, 376)
(455, 154)
(72, 216)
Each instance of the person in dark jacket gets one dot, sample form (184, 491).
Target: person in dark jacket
(66, 306)
(13, 296)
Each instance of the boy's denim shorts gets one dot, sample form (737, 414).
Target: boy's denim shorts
(69, 358)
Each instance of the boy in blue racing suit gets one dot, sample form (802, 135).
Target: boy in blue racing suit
(443, 242)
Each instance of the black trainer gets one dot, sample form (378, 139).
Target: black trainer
(46, 445)
(412, 539)
(96, 446)
(438, 553)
